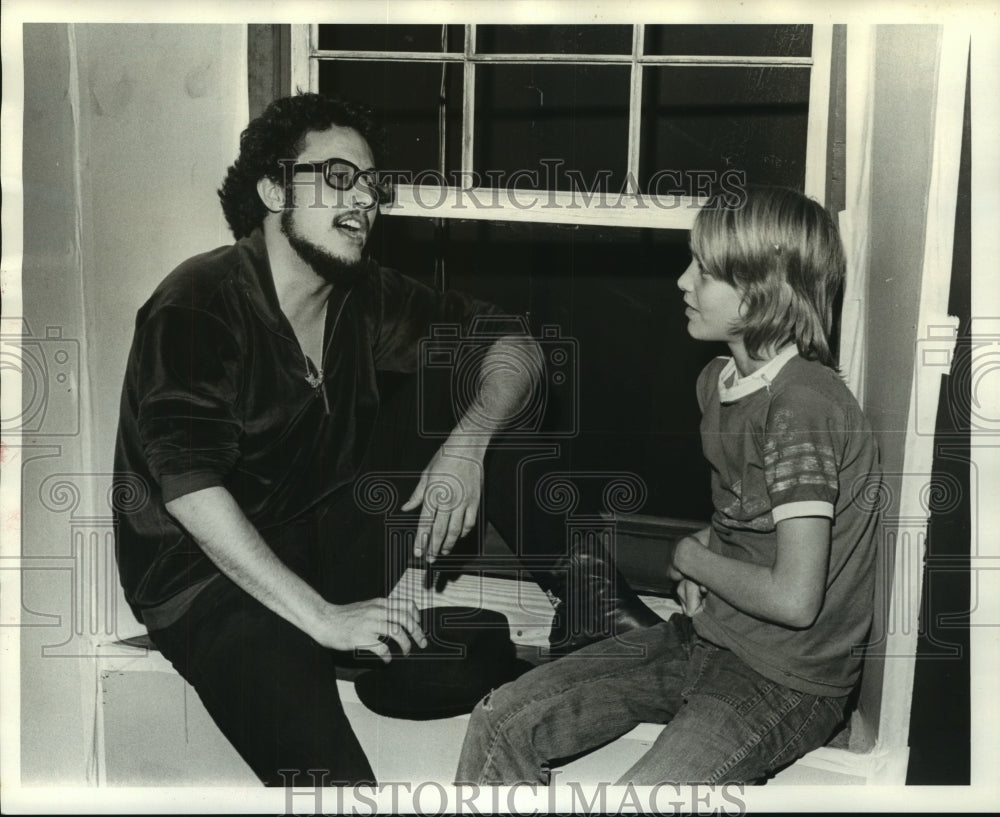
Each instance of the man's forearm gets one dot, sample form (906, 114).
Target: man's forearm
(511, 370)
(223, 531)
(229, 539)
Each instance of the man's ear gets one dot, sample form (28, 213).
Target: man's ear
(271, 193)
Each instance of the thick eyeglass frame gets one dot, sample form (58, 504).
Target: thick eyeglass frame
(342, 175)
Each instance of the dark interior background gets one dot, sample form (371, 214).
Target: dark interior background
(609, 292)
(611, 296)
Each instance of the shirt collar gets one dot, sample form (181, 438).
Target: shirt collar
(258, 283)
(732, 387)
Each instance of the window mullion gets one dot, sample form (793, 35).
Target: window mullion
(696, 61)
(635, 103)
(675, 212)
(468, 101)
(389, 56)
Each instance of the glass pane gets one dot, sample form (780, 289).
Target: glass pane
(613, 294)
(732, 41)
(389, 38)
(713, 120)
(405, 97)
(594, 39)
(575, 117)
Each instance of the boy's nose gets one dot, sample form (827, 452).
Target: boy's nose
(684, 282)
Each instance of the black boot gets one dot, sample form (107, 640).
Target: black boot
(593, 600)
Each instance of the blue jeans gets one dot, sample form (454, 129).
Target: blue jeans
(725, 723)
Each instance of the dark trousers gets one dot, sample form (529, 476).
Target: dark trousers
(269, 687)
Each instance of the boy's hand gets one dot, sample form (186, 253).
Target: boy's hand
(691, 596)
(703, 535)
(685, 541)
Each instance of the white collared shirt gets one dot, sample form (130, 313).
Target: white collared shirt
(732, 387)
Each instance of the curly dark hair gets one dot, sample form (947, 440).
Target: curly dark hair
(279, 133)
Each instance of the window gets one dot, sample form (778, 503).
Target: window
(511, 134)
(615, 125)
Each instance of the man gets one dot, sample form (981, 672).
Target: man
(249, 405)
(253, 401)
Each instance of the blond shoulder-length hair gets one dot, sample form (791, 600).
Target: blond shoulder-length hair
(782, 251)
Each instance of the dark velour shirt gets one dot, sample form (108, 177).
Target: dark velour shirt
(216, 394)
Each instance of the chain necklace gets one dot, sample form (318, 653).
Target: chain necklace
(313, 376)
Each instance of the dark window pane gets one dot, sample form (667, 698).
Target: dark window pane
(595, 39)
(719, 119)
(733, 41)
(389, 38)
(405, 97)
(613, 294)
(577, 115)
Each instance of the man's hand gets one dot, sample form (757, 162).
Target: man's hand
(361, 625)
(220, 527)
(691, 596)
(449, 489)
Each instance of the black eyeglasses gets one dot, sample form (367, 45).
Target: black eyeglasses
(342, 175)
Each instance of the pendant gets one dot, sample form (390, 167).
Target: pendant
(314, 380)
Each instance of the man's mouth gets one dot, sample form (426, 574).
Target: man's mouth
(352, 225)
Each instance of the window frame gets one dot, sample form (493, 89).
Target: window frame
(566, 207)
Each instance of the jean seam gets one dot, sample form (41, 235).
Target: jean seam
(817, 701)
(702, 666)
(742, 705)
(502, 725)
(739, 704)
(757, 735)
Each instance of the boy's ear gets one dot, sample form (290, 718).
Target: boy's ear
(271, 193)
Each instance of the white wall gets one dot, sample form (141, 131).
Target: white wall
(128, 130)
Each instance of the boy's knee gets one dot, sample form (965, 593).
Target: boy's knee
(494, 709)
(491, 704)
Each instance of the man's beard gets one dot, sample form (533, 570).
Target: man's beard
(325, 264)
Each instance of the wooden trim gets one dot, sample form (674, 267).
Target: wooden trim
(693, 61)
(819, 112)
(269, 69)
(545, 206)
(836, 150)
(855, 221)
(303, 74)
(918, 457)
(468, 103)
